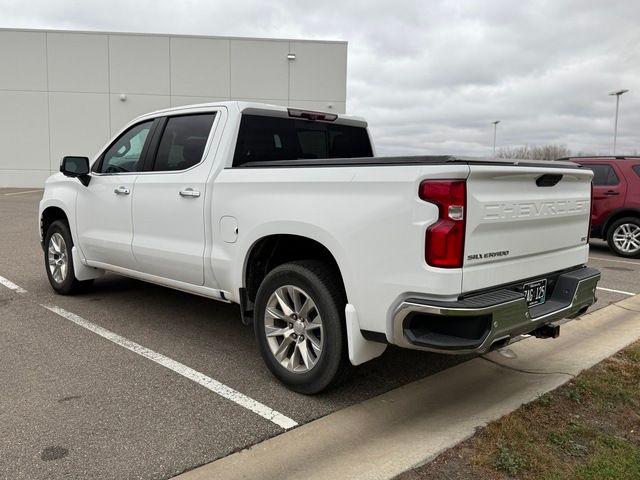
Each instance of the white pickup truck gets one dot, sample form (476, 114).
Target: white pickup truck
(331, 252)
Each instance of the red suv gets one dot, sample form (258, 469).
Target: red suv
(615, 213)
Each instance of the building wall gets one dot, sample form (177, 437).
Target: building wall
(67, 93)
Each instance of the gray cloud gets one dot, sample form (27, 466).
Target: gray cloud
(429, 76)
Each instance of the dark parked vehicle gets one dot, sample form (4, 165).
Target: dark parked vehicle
(615, 213)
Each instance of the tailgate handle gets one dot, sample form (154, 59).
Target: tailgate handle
(548, 179)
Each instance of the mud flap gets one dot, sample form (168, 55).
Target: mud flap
(83, 272)
(361, 350)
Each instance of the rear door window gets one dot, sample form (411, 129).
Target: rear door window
(264, 139)
(603, 174)
(636, 168)
(183, 141)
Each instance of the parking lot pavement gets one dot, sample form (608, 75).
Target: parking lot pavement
(77, 407)
(75, 404)
(620, 276)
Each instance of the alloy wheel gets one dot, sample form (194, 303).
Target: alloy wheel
(627, 238)
(294, 330)
(58, 257)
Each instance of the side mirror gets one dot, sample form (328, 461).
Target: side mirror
(76, 167)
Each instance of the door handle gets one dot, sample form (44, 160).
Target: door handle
(611, 193)
(121, 190)
(189, 192)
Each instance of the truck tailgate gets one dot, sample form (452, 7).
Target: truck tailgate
(523, 222)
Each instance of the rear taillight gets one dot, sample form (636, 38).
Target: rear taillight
(444, 243)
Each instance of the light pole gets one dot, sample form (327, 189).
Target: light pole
(617, 93)
(495, 128)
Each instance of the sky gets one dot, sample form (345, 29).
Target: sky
(430, 76)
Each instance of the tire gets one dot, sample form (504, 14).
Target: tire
(314, 356)
(623, 237)
(58, 261)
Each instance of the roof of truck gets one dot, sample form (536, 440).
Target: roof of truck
(260, 108)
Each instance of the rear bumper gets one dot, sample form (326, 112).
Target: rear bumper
(490, 319)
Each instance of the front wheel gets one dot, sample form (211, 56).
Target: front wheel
(623, 237)
(300, 327)
(59, 260)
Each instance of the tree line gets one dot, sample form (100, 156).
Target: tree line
(544, 152)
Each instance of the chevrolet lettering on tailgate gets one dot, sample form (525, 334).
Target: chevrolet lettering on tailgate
(500, 211)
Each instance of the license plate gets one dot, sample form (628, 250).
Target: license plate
(535, 293)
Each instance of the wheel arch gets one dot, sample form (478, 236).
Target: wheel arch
(270, 251)
(49, 215)
(618, 214)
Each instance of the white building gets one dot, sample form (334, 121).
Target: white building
(67, 93)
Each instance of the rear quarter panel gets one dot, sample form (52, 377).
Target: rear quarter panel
(370, 219)
(632, 175)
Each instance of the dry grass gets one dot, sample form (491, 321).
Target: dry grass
(587, 429)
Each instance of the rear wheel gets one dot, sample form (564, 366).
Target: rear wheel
(59, 260)
(300, 327)
(623, 237)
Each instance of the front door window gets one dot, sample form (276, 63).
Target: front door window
(125, 154)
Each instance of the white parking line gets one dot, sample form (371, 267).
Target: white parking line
(12, 286)
(21, 193)
(614, 260)
(200, 378)
(179, 368)
(616, 291)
